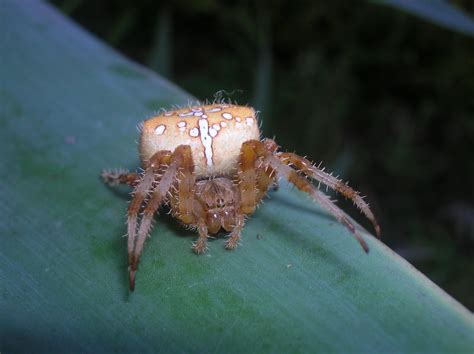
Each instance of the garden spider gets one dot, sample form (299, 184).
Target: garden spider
(210, 165)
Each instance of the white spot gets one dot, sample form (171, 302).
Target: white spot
(249, 120)
(227, 115)
(182, 129)
(223, 124)
(169, 114)
(160, 129)
(238, 125)
(204, 116)
(212, 132)
(182, 124)
(206, 140)
(186, 114)
(199, 109)
(238, 119)
(198, 114)
(216, 126)
(212, 110)
(194, 132)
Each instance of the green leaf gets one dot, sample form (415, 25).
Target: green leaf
(437, 11)
(298, 283)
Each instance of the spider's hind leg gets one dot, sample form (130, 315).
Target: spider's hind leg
(307, 168)
(121, 176)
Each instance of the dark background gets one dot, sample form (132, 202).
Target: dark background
(383, 98)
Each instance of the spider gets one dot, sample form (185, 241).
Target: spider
(208, 163)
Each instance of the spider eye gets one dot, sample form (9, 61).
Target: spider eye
(220, 203)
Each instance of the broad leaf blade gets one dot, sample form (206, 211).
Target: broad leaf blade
(440, 12)
(298, 283)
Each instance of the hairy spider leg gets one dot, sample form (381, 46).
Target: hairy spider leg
(160, 159)
(253, 176)
(200, 245)
(157, 162)
(157, 178)
(308, 169)
(304, 185)
(158, 197)
(184, 204)
(247, 176)
(253, 179)
(186, 182)
(113, 178)
(266, 176)
(234, 236)
(182, 196)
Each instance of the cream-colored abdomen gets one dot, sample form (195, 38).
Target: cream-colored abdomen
(214, 132)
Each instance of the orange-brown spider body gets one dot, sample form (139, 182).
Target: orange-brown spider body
(210, 165)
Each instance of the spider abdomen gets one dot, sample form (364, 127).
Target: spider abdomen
(214, 132)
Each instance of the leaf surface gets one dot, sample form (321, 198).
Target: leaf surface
(298, 283)
(439, 12)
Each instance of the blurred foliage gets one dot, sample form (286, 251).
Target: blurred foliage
(383, 98)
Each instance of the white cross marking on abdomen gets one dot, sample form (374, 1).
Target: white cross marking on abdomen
(206, 140)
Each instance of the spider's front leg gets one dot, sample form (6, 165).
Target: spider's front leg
(157, 179)
(253, 180)
(234, 236)
(200, 245)
(185, 206)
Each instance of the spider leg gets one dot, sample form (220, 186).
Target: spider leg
(253, 176)
(247, 177)
(186, 189)
(307, 168)
(186, 207)
(115, 177)
(158, 196)
(143, 187)
(265, 176)
(200, 245)
(302, 184)
(234, 236)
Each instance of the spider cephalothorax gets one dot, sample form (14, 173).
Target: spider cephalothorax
(210, 165)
